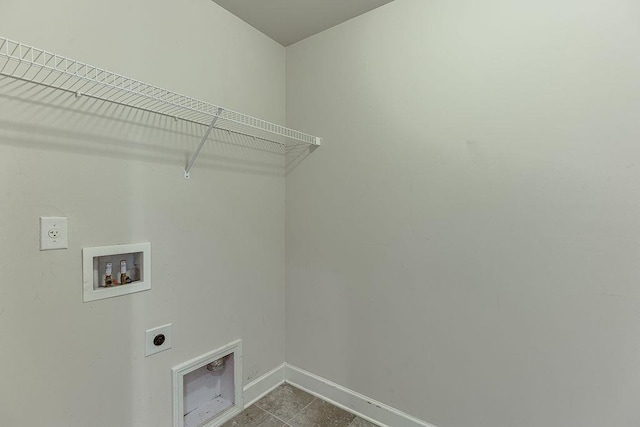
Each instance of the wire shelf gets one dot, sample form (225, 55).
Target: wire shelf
(30, 64)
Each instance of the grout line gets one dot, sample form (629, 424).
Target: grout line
(278, 418)
(275, 416)
(291, 419)
(309, 404)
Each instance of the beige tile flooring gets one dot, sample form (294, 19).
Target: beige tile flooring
(289, 406)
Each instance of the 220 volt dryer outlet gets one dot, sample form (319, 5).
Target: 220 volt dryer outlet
(53, 233)
(157, 339)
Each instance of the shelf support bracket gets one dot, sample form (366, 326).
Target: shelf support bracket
(204, 139)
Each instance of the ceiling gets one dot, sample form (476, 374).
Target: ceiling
(289, 21)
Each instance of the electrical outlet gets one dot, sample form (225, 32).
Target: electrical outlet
(157, 339)
(53, 233)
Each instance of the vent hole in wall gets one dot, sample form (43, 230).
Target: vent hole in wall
(207, 390)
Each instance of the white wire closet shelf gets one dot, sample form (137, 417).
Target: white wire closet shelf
(30, 64)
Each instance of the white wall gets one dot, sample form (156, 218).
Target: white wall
(465, 246)
(217, 240)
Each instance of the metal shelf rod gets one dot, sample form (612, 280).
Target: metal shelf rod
(204, 139)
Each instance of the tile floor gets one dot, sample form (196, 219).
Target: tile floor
(292, 407)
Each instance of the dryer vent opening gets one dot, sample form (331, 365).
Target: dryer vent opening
(208, 389)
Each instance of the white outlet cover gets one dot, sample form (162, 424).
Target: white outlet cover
(53, 233)
(150, 347)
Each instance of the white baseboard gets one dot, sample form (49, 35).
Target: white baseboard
(263, 385)
(349, 400)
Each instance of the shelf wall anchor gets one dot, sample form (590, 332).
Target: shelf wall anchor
(204, 139)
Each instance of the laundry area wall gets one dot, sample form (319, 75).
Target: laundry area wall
(466, 245)
(117, 174)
